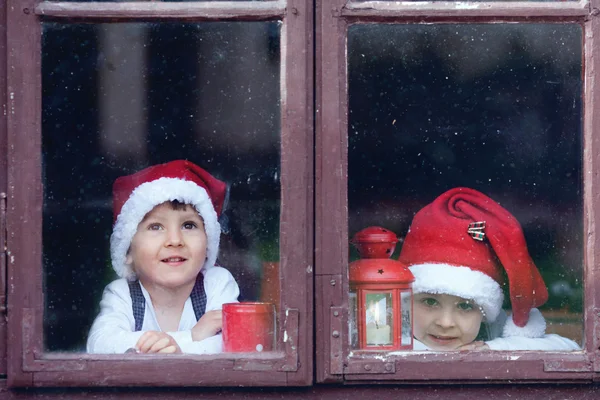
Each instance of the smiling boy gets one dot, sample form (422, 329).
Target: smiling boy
(164, 246)
(462, 249)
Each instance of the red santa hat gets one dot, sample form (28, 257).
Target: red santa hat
(136, 195)
(465, 244)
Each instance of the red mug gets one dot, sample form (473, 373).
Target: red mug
(248, 327)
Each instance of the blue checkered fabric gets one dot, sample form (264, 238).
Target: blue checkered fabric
(138, 302)
(198, 297)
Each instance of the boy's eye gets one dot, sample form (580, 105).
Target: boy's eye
(465, 306)
(429, 301)
(189, 225)
(154, 227)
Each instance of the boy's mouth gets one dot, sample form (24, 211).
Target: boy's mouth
(173, 260)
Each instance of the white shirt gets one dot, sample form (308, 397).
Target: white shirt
(113, 329)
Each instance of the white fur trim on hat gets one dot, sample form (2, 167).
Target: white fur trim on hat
(462, 282)
(143, 199)
(535, 327)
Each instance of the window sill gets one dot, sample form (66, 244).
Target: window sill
(469, 367)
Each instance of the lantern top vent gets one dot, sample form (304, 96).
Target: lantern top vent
(375, 242)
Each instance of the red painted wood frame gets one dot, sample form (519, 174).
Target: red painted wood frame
(3, 188)
(335, 362)
(28, 364)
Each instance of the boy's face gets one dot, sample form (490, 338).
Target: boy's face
(445, 322)
(169, 248)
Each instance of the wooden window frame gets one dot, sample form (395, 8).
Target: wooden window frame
(334, 360)
(3, 188)
(28, 364)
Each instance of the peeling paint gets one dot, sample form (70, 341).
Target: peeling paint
(466, 6)
(408, 353)
(285, 337)
(380, 357)
(414, 4)
(12, 102)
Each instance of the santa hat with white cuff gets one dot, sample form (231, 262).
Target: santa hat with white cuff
(136, 195)
(465, 244)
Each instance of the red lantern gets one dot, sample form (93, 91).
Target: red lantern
(381, 299)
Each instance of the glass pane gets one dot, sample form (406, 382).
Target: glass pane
(379, 319)
(352, 328)
(120, 97)
(492, 107)
(406, 304)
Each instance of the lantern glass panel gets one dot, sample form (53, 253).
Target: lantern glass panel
(379, 319)
(406, 317)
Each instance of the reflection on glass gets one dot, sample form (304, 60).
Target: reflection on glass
(120, 97)
(406, 303)
(493, 107)
(353, 330)
(379, 319)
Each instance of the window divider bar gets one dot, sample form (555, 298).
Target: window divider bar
(3, 252)
(220, 10)
(3, 163)
(591, 188)
(440, 9)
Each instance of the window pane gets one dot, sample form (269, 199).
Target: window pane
(492, 107)
(120, 97)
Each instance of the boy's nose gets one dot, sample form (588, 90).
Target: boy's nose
(174, 238)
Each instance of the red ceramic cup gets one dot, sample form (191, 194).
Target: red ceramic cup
(248, 327)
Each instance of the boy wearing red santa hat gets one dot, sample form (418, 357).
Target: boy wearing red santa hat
(463, 249)
(164, 247)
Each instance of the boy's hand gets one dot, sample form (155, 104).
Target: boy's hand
(477, 346)
(157, 342)
(209, 325)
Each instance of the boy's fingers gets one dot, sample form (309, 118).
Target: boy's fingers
(149, 341)
(141, 343)
(159, 345)
(474, 346)
(168, 350)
